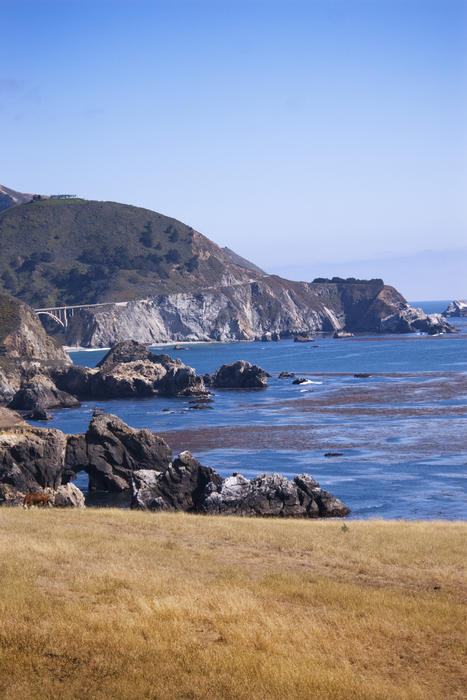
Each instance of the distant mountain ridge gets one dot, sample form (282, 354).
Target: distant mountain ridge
(10, 198)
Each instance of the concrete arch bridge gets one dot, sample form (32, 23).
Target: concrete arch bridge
(63, 314)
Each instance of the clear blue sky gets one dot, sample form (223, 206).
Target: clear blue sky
(300, 133)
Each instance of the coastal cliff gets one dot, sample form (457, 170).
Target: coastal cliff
(25, 347)
(158, 280)
(251, 310)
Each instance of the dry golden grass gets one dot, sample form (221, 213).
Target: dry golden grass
(119, 604)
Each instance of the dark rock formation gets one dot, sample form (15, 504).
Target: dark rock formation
(191, 487)
(127, 351)
(456, 309)
(300, 380)
(180, 487)
(32, 459)
(37, 414)
(270, 337)
(286, 375)
(110, 451)
(238, 375)
(362, 375)
(130, 369)
(41, 395)
(117, 458)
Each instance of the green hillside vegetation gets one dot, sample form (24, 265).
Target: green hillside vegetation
(62, 252)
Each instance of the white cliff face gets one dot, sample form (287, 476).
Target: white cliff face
(236, 312)
(245, 311)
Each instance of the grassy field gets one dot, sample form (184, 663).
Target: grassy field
(120, 604)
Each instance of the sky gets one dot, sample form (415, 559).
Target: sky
(314, 137)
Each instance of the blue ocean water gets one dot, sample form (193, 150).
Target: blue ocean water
(400, 431)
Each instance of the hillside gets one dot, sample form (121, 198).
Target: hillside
(242, 262)
(10, 198)
(179, 284)
(62, 252)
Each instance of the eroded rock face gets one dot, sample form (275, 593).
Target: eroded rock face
(238, 375)
(180, 487)
(110, 451)
(130, 369)
(267, 307)
(25, 348)
(410, 320)
(32, 459)
(189, 486)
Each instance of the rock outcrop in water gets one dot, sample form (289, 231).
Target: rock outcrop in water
(189, 486)
(130, 370)
(119, 458)
(456, 309)
(410, 320)
(238, 375)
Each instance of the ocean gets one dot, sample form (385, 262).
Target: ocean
(398, 436)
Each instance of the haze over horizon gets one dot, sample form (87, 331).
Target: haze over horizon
(315, 138)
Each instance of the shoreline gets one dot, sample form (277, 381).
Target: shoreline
(356, 338)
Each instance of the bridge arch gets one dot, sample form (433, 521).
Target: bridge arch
(53, 316)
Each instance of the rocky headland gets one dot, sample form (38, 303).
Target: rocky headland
(269, 308)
